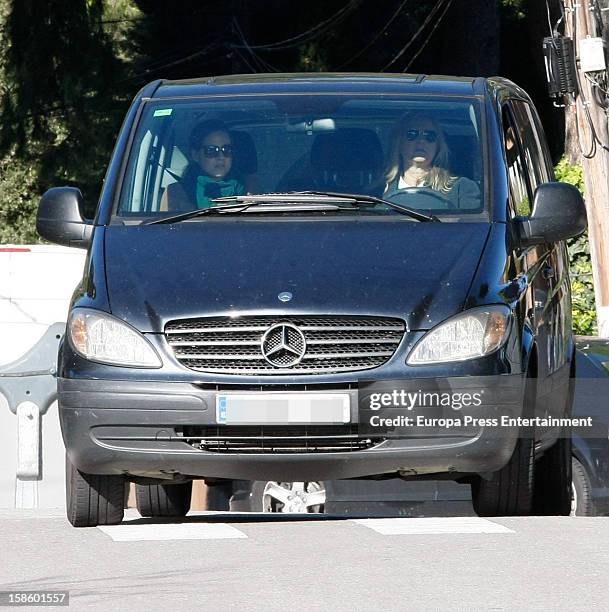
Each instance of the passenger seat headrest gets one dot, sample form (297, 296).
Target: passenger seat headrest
(347, 149)
(245, 161)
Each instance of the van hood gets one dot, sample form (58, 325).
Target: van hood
(420, 272)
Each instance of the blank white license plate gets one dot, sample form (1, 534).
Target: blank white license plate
(282, 408)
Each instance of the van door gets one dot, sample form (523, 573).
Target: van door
(526, 170)
(557, 312)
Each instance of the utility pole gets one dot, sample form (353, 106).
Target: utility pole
(581, 24)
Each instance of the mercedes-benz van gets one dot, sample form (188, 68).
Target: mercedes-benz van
(308, 277)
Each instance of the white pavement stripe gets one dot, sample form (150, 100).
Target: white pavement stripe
(452, 524)
(171, 531)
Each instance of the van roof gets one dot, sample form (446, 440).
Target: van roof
(322, 82)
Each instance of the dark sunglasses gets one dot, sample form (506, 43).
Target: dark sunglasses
(428, 135)
(214, 150)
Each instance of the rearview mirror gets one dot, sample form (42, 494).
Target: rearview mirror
(59, 219)
(558, 213)
(313, 126)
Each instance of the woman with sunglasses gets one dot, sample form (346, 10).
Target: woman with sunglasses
(418, 166)
(208, 175)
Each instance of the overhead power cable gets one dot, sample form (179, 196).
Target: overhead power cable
(362, 51)
(244, 59)
(147, 70)
(407, 46)
(311, 33)
(266, 67)
(414, 57)
(179, 53)
(549, 18)
(187, 58)
(165, 60)
(554, 30)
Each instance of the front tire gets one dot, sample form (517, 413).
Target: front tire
(509, 492)
(93, 499)
(581, 503)
(553, 480)
(163, 500)
(553, 471)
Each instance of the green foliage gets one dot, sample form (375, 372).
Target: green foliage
(582, 285)
(60, 104)
(18, 199)
(17, 176)
(570, 173)
(312, 59)
(515, 8)
(523, 208)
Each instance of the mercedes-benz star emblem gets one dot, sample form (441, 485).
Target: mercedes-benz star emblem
(285, 296)
(283, 345)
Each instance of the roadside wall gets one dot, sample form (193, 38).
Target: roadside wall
(36, 284)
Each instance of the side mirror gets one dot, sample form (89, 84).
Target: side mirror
(558, 213)
(59, 218)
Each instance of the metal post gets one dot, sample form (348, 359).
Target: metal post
(30, 387)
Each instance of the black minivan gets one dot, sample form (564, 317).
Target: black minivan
(307, 277)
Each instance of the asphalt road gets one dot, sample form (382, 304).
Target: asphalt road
(212, 561)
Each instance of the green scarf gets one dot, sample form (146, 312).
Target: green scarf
(209, 188)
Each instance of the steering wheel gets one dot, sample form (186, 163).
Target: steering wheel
(413, 192)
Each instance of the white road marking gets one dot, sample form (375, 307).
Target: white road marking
(171, 531)
(131, 531)
(451, 524)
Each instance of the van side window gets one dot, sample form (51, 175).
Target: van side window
(145, 177)
(543, 142)
(520, 199)
(532, 148)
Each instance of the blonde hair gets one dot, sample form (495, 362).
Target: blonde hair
(439, 178)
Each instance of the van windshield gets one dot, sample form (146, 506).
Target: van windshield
(424, 153)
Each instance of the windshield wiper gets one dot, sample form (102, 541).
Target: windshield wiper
(270, 202)
(193, 213)
(361, 198)
(296, 201)
(327, 197)
(291, 197)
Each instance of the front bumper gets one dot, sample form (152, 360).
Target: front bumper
(133, 428)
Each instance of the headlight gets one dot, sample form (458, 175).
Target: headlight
(474, 333)
(101, 337)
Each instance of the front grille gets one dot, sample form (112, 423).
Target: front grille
(277, 439)
(333, 343)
